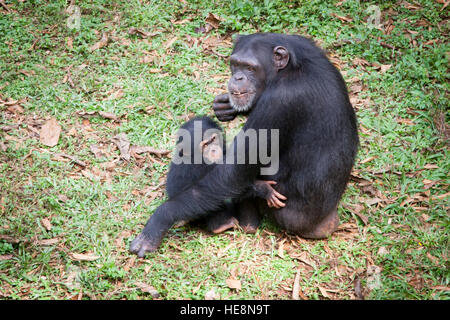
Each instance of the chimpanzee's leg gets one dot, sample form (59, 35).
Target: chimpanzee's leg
(248, 215)
(220, 221)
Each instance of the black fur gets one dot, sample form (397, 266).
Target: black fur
(309, 104)
(182, 176)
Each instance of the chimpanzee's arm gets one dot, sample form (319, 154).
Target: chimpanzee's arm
(209, 193)
(224, 181)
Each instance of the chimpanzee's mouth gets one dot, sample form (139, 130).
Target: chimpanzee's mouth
(239, 94)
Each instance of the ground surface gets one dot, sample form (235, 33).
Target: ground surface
(69, 212)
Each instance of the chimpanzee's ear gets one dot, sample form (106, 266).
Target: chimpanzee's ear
(280, 57)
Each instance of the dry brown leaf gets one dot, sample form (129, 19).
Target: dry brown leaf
(361, 62)
(430, 42)
(3, 4)
(418, 197)
(47, 242)
(281, 249)
(10, 239)
(49, 134)
(144, 149)
(441, 288)
(355, 88)
(372, 201)
(130, 263)
(433, 259)
(363, 218)
(148, 289)
(181, 21)
(88, 174)
(213, 20)
(442, 196)
(382, 251)
(233, 284)
(46, 223)
(211, 295)
(72, 158)
(15, 108)
(3, 147)
(86, 114)
(73, 132)
(83, 256)
(6, 257)
(169, 43)
(115, 95)
(121, 141)
(373, 277)
(368, 159)
(296, 288)
(27, 73)
(347, 227)
(445, 5)
(9, 127)
(405, 121)
(70, 43)
(324, 292)
(385, 67)
(358, 291)
(108, 115)
(141, 33)
(11, 102)
(342, 18)
(410, 6)
(427, 184)
(303, 257)
(146, 59)
(102, 43)
(98, 153)
(147, 269)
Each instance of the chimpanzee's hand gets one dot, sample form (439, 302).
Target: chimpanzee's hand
(141, 245)
(223, 109)
(272, 197)
(151, 237)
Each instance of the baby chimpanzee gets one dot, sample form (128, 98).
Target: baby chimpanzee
(200, 146)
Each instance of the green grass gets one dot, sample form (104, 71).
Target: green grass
(400, 182)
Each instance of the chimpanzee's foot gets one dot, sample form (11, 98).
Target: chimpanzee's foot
(249, 217)
(141, 245)
(230, 224)
(325, 228)
(249, 229)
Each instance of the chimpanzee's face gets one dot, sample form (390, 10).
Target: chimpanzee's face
(211, 149)
(247, 81)
(250, 70)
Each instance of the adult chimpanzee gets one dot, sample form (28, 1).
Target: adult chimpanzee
(200, 145)
(285, 82)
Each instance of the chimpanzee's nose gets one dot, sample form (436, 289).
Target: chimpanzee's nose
(239, 76)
